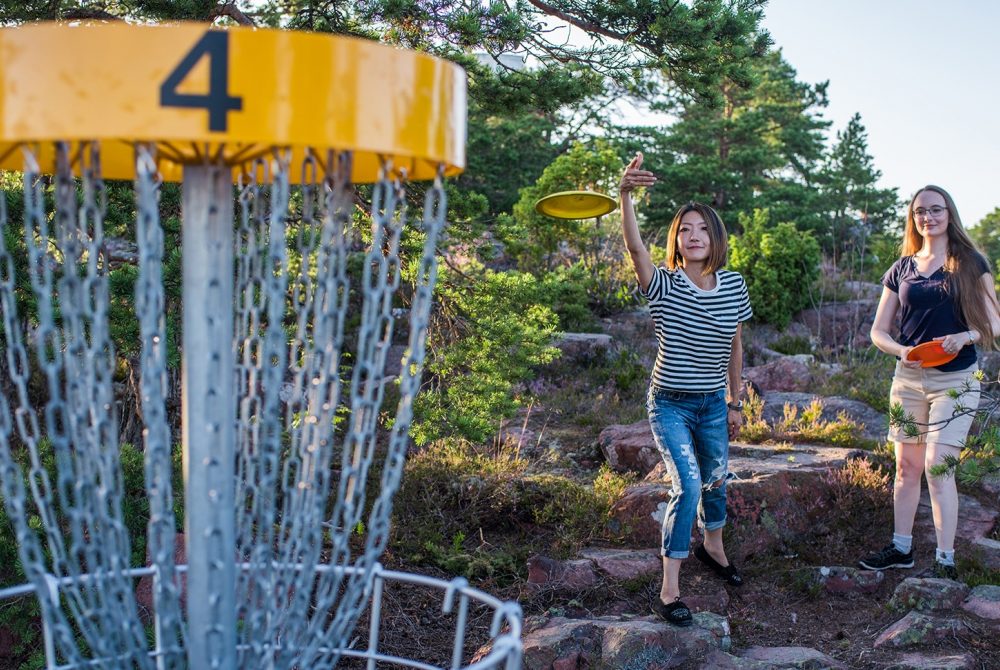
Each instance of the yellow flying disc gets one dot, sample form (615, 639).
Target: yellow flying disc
(201, 93)
(575, 205)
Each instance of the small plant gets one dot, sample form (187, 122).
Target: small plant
(792, 345)
(754, 428)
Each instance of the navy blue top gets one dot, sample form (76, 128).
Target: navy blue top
(926, 308)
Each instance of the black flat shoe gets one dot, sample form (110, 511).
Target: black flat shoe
(727, 572)
(676, 613)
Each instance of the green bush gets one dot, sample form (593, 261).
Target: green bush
(565, 291)
(535, 239)
(779, 263)
(493, 330)
(792, 345)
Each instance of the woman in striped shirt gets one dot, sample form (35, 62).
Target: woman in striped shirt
(693, 401)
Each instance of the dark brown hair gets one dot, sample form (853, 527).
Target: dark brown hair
(717, 238)
(964, 264)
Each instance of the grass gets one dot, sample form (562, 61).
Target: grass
(806, 425)
(479, 512)
(865, 377)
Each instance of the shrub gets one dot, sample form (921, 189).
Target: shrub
(792, 345)
(484, 340)
(566, 291)
(779, 263)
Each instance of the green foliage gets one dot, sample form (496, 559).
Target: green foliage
(806, 425)
(565, 291)
(854, 206)
(21, 618)
(761, 148)
(779, 263)
(576, 513)
(533, 238)
(458, 503)
(792, 345)
(865, 377)
(490, 335)
(986, 234)
(695, 44)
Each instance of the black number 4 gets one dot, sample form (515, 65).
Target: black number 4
(215, 45)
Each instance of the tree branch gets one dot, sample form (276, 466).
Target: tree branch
(574, 21)
(230, 10)
(82, 14)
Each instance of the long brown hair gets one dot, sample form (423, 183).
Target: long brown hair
(718, 240)
(963, 265)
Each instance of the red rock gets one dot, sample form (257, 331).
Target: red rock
(916, 629)
(638, 514)
(550, 573)
(630, 448)
(788, 373)
(984, 601)
(849, 581)
(625, 564)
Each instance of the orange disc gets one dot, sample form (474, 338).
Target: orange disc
(930, 354)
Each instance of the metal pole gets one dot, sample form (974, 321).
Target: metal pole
(209, 416)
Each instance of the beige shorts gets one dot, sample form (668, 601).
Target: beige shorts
(923, 392)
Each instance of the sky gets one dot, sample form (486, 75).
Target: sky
(925, 77)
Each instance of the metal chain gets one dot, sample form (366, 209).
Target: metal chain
(83, 523)
(150, 309)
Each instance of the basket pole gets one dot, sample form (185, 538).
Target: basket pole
(209, 416)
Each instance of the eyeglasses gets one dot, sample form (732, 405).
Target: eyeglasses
(934, 211)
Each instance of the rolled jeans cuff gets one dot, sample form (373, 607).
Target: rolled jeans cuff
(678, 555)
(715, 525)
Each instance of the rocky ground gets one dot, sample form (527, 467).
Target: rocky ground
(801, 514)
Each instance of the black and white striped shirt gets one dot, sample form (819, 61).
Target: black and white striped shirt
(695, 328)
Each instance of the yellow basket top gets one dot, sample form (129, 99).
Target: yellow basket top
(235, 94)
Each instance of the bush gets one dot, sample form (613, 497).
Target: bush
(779, 263)
(566, 292)
(455, 494)
(792, 345)
(485, 339)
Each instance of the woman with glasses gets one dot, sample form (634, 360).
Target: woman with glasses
(941, 290)
(697, 309)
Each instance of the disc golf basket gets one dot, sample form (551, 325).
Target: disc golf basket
(290, 302)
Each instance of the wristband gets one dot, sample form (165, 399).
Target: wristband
(972, 340)
(735, 406)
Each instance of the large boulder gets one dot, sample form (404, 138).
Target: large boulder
(787, 373)
(793, 657)
(639, 644)
(919, 629)
(841, 325)
(984, 602)
(584, 346)
(624, 564)
(548, 573)
(638, 515)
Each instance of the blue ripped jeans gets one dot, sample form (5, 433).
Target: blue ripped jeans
(692, 434)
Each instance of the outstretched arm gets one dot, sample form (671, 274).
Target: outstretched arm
(634, 176)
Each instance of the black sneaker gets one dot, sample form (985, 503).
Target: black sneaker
(890, 557)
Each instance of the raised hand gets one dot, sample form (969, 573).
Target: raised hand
(634, 176)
